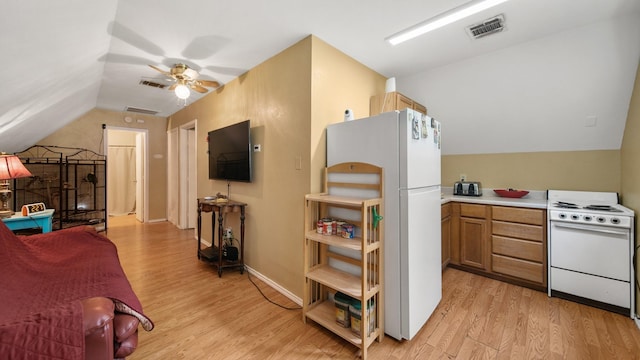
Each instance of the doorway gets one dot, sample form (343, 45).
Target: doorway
(127, 166)
(182, 172)
(188, 177)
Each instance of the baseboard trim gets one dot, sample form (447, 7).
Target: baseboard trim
(156, 220)
(275, 285)
(637, 322)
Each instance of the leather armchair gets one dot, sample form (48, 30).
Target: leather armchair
(108, 334)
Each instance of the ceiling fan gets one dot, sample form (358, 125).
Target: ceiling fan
(186, 78)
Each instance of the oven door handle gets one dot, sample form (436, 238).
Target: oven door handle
(591, 228)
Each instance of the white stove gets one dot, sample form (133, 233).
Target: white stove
(588, 208)
(590, 249)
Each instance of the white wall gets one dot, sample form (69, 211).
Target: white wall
(536, 96)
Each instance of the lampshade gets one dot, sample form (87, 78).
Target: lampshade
(11, 168)
(182, 92)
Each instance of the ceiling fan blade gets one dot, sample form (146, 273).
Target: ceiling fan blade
(161, 71)
(172, 87)
(209, 83)
(199, 88)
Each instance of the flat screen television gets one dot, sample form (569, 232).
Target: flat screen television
(230, 152)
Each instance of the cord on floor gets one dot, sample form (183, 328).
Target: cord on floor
(269, 300)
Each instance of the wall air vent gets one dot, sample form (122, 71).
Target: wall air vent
(140, 110)
(487, 27)
(152, 83)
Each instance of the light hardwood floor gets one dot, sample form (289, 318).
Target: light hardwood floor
(200, 316)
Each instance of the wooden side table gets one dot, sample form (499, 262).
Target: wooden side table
(41, 220)
(213, 254)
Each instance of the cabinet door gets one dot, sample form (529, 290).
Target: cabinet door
(445, 229)
(446, 241)
(403, 102)
(473, 242)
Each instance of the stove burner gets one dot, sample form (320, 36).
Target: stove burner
(565, 205)
(607, 208)
(568, 205)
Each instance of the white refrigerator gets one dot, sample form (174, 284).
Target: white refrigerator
(406, 144)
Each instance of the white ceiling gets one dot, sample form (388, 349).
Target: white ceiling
(63, 58)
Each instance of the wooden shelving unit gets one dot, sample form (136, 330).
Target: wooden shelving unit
(352, 266)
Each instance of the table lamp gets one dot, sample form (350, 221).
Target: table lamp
(10, 168)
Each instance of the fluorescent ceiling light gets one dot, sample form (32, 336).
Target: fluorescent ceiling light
(443, 19)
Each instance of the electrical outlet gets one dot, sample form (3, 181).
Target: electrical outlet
(463, 177)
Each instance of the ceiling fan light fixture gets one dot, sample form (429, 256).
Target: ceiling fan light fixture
(444, 19)
(182, 91)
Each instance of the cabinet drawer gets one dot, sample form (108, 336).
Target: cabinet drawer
(522, 269)
(445, 211)
(473, 210)
(522, 249)
(519, 215)
(520, 231)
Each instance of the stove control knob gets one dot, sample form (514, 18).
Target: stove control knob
(615, 221)
(575, 217)
(587, 218)
(562, 216)
(601, 219)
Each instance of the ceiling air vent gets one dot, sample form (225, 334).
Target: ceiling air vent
(152, 83)
(140, 110)
(487, 27)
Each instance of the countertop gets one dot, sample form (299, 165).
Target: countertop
(535, 199)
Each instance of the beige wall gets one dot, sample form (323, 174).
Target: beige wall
(275, 96)
(289, 99)
(86, 132)
(631, 165)
(338, 83)
(567, 170)
(122, 138)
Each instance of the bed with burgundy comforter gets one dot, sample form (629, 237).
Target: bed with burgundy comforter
(43, 280)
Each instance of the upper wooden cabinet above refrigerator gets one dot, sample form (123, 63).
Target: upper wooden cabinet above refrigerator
(393, 101)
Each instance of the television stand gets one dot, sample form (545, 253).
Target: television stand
(213, 254)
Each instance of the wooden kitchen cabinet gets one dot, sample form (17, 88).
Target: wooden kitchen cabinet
(502, 242)
(445, 216)
(518, 238)
(474, 235)
(393, 101)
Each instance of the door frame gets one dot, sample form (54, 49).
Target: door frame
(145, 166)
(187, 214)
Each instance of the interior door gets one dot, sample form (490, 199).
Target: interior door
(192, 193)
(173, 180)
(140, 175)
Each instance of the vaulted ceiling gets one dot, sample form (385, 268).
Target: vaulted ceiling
(60, 59)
